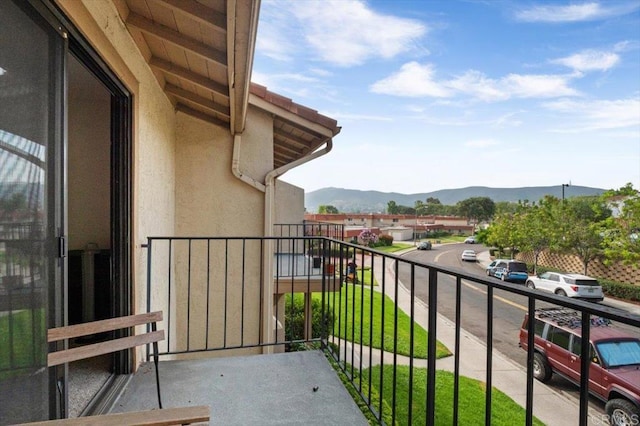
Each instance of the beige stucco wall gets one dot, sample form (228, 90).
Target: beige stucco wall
(289, 203)
(211, 201)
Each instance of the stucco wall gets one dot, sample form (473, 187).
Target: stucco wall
(289, 203)
(212, 202)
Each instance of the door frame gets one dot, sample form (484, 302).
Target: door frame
(121, 192)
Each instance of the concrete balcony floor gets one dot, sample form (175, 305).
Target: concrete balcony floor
(273, 389)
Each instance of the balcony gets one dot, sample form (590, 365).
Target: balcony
(228, 301)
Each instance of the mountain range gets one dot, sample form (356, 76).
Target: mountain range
(357, 201)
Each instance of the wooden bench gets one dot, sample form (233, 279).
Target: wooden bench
(167, 416)
(163, 417)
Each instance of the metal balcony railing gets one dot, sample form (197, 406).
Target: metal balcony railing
(239, 295)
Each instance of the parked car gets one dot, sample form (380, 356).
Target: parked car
(468, 256)
(425, 245)
(614, 371)
(470, 240)
(508, 270)
(571, 285)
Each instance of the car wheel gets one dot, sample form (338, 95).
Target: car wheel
(541, 368)
(531, 285)
(622, 412)
(561, 292)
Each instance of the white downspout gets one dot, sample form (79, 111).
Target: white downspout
(235, 165)
(270, 322)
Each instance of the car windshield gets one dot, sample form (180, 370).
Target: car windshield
(617, 354)
(518, 267)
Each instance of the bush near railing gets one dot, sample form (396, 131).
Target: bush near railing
(294, 319)
(620, 290)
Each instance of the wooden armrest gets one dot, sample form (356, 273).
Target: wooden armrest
(161, 417)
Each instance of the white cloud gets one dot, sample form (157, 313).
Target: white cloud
(412, 80)
(591, 11)
(589, 60)
(340, 32)
(476, 84)
(597, 115)
(415, 80)
(537, 86)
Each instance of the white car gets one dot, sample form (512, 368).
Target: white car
(468, 256)
(470, 240)
(571, 285)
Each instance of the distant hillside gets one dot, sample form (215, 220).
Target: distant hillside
(353, 200)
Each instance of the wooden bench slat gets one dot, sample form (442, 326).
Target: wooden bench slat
(163, 417)
(82, 352)
(85, 329)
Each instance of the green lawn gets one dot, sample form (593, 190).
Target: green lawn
(504, 411)
(356, 326)
(19, 328)
(395, 247)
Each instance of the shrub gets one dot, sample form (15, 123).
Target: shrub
(367, 238)
(620, 290)
(386, 240)
(294, 319)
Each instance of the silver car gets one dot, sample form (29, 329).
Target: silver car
(570, 285)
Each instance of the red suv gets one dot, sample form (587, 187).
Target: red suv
(614, 372)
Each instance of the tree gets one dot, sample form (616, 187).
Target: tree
(539, 227)
(586, 217)
(477, 208)
(392, 207)
(327, 209)
(505, 232)
(432, 200)
(621, 234)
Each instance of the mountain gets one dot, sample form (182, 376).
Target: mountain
(354, 201)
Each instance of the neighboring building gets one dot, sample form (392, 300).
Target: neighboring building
(423, 225)
(120, 120)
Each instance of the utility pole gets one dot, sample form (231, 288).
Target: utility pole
(563, 186)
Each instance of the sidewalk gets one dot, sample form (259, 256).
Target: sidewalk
(550, 406)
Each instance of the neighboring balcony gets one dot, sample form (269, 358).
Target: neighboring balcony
(235, 308)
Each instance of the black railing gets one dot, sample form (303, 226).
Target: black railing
(310, 228)
(240, 294)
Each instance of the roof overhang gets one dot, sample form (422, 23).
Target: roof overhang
(201, 53)
(298, 131)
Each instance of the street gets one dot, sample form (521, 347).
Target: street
(508, 309)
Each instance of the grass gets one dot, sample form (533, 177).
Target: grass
(504, 410)
(362, 327)
(23, 352)
(394, 247)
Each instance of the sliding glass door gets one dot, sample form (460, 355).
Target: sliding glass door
(31, 227)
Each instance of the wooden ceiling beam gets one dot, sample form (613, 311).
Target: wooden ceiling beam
(171, 36)
(290, 138)
(199, 12)
(201, 115)
(190, 76)
(284, 147)
(199, 100)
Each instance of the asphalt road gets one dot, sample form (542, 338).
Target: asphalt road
(508, 309)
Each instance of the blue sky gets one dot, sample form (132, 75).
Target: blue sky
(439, 94)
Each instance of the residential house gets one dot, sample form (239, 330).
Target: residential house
(121, 120)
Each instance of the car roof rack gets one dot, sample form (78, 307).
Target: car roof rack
(570, 318)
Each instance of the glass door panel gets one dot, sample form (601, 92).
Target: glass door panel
(31, 90)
